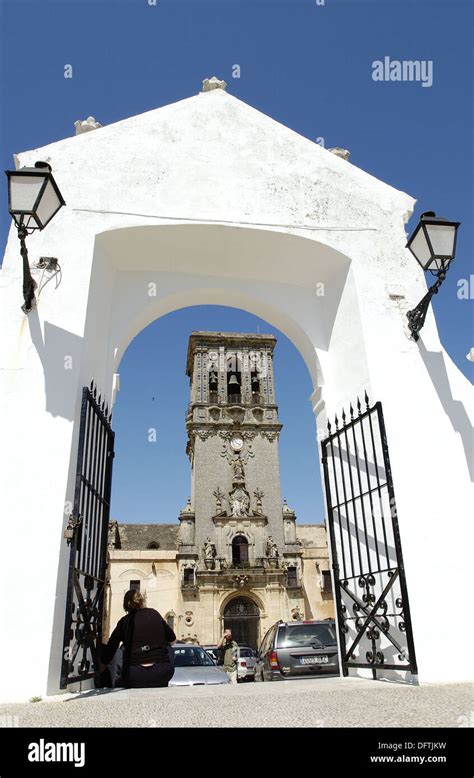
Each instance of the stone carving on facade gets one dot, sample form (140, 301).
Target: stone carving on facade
(239, 474)
(297, 614)
(209, 84)
(219, 498)
(113, 537)
(258, 494)
(241, 581)
(341, 153)
(204, 434)
(271, 549)
(245, 454)
(87, 125)
(270, 435)
(239, 502)
(209, 550)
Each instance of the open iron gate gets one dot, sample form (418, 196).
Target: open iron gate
(374, 622)
(87, 533)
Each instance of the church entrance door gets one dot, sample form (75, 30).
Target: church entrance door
(242, 616)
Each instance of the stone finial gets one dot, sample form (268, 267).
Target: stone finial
(209, 84)
(87, 125)
(342, 153)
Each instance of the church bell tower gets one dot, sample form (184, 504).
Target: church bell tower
(235, 531)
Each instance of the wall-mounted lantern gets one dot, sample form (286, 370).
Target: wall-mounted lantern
(433, 244)
(33, 199)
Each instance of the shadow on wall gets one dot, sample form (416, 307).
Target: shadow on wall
(436, 367)
(59, 353)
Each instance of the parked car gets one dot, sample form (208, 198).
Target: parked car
(298, 649)
(246, 664)
(195, 667)
(214, 652)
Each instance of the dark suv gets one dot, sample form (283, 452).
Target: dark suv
(298, 649)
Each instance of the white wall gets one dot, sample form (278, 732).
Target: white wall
(241, 183)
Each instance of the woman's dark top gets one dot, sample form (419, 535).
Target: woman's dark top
(150, 637)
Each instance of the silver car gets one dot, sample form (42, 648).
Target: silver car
(194, 667)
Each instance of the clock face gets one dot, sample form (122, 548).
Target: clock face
(236, 444)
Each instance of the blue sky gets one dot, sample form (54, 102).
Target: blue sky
(307, 65)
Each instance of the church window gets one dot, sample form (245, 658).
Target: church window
(326, 582)
(240, 550)
(292, 576)
(135, 585)
(188, 576)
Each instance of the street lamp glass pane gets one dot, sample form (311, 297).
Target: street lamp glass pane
(420, 248)
(48, 206)
(442, 239)
(24, 191)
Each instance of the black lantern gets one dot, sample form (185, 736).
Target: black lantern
(433, 244)
(33, 200)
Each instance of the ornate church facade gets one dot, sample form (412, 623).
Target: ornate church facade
(235, 559)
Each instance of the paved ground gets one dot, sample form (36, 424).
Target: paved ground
(331, 702)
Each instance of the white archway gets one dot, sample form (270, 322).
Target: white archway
(260, 232)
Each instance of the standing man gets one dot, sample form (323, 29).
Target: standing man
(229, 654)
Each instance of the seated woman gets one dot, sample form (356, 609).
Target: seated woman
(146, 638)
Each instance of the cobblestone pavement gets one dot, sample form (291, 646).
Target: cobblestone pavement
(331, 702)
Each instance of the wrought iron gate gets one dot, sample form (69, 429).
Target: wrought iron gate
(369, 578)
(242, 617)
(87, 534)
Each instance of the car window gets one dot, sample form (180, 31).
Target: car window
(316, 635)
(191, 656)
(267, 641)
(246, 652)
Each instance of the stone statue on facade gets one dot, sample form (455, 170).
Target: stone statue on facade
(272, 548)
(239, 474)
(239, 503)
(209, 549)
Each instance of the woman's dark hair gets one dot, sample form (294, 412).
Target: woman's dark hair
(133, 600)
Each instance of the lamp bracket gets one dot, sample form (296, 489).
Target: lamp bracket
(48, 263)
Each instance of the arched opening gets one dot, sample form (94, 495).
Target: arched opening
(240, 550)
(308, 326)
(242, 617)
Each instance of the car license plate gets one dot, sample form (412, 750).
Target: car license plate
(314, 660)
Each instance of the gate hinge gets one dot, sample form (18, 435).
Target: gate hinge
(71, 527)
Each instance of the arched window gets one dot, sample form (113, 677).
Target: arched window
(152, 545)
(255, 386)
(240, 550)
(170, 617)
(234, 380)
(213, 385)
